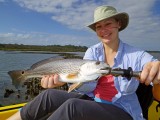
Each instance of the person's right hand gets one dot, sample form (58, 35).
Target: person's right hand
(51, 81)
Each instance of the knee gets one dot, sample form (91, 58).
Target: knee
(72, 100)
(72, 103)
(71, 108)
(48, 92)
(46, 95)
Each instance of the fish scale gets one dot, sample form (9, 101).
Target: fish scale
(69, 70)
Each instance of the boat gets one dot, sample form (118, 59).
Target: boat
(150, 106)
(7, 111)
(154, 111)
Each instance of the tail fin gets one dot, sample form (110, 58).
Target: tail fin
(17, 77)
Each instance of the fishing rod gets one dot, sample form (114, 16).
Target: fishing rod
(128, 73)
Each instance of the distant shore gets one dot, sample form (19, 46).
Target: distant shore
(48, 48)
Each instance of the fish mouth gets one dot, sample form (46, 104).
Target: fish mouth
(105, 70)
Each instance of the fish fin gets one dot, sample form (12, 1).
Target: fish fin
(46, 61)
(74, 86)
(72, 76)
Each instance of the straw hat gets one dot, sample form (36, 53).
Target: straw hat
(105, 12)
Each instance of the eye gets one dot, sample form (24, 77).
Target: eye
(98, 62)
(98, 27)
(108, 24)
(22, 72)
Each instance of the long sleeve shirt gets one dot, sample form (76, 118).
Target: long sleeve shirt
(127, 56)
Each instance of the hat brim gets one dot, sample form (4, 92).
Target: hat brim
(122, 17)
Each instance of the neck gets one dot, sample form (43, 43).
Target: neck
(111, 47)
(110, 52)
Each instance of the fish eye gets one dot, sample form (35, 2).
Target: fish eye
(22, 72)
(98, 62)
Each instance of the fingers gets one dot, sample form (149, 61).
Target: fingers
(157, 78)
(151, 73)
(50, 81)
(56, 79)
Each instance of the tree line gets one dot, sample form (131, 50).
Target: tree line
(52, 48)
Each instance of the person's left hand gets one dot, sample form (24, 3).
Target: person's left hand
(151, 73)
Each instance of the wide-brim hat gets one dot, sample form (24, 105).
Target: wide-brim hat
(105, 12)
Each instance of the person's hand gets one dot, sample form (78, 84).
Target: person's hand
(51, 81)
(151, 73)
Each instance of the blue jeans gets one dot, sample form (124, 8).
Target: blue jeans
(54, 104)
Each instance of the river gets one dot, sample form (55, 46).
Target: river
(15, 60)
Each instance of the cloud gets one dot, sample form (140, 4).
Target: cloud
(76, 14)
(14, 38)
(67, 12)
(143, 28)
(45, 39)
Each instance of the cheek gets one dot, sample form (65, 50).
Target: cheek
(98, 33)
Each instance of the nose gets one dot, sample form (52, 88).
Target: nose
(104, 29)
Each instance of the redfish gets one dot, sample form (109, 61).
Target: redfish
(69, 70)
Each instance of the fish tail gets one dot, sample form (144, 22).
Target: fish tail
(17, 77)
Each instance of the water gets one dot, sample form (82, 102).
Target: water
(14, 60)
(156, 54)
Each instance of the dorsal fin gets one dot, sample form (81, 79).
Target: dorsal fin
(46, 61)
(74, 86)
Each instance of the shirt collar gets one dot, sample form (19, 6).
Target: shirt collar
(120, 50)
(100, 50)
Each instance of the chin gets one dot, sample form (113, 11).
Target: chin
(106, 41)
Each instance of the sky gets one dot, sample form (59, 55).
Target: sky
(64, 22)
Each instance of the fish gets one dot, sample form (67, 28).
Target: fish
(76, 71)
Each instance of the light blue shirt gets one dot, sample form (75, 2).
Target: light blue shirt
(127, 56)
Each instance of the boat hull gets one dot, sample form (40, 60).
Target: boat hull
(7, 111)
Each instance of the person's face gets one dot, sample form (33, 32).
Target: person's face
(107, 30)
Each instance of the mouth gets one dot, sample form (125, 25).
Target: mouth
(106, 35)
(105, 70)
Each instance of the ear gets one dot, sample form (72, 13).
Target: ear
(119, 24)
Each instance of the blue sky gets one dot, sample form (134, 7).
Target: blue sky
(63, 22)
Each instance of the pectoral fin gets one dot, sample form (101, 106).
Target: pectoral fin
(72, 76)
(74, 86)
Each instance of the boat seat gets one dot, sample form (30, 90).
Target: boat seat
(145, 98)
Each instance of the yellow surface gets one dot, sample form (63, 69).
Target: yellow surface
(152, 113)
(6, 113)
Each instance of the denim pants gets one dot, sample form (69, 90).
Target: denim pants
(54, 104)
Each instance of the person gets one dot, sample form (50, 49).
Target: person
(109, 98)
